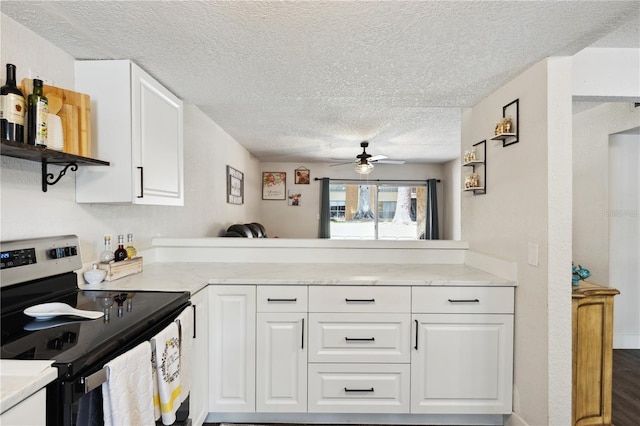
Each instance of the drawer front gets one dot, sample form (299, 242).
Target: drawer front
(359, 388)
(359, 337)
(464, 300)
(359, 299)
(282, 298)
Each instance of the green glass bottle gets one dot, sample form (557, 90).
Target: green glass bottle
(37, 116)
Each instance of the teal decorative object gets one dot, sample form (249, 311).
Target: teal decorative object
(578, 273)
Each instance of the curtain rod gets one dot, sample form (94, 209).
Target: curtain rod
(378, 180)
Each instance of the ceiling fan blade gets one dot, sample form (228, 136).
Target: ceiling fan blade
(377, 157)
(340, 164)
(390, 161)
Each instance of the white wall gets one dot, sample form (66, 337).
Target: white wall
(26, 211)
(302, 221)
(624, 237)
(607, 72)
(529, 200)
(451, 209)
(591, 131)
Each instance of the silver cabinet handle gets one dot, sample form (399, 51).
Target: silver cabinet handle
(463, 300)
(360, 300)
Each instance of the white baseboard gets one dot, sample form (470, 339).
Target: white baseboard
(514, 420)
(626, 341)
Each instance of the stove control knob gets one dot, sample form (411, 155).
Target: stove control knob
(55, 343)
(70, 337)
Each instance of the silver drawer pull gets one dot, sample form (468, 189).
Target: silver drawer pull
(358, 390)
(463, 300)
(360, 300)
(360, 339)
(295, 299)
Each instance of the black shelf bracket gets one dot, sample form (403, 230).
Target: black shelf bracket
(515, 139)
(50, 178)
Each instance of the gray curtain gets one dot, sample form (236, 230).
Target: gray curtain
(431, 231)
(324, 230)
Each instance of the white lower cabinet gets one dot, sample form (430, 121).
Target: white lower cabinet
(359, 388)
(232, 348)
(362, 349)
(462, 363)
(281, 364)
(198, 397)
(30, 412)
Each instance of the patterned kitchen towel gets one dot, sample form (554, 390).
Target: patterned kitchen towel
(185, 328)
(166, 346)
(127, 395)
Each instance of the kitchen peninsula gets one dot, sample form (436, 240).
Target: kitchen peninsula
(326, 330)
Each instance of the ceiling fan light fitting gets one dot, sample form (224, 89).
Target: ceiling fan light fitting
(364, 168)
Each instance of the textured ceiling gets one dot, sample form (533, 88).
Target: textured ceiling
(307, 81)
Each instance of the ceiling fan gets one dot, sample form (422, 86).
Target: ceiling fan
(364, 162)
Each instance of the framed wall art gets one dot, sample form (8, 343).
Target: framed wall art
(302, 176)
(235, 186)
(294, 198)
(274, 186)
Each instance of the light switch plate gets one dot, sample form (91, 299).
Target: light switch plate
(532, 257)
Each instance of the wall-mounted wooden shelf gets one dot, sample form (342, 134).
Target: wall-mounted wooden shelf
(45, 157)
(478, 190)
(511, 137)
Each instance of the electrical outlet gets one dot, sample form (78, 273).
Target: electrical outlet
(532, 256)
(35, 74)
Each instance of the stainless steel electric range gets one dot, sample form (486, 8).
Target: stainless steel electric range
(41, 270)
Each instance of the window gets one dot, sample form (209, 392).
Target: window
(385, 211)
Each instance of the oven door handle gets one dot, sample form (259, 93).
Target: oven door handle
(94, 380)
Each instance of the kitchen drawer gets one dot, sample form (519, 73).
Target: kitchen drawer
(359, 388)
(463, 300)
(359, 299)
(282, 298)
(359, 337)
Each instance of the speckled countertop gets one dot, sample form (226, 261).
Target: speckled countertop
(194, 276)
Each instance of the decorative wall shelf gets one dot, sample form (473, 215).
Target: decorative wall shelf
(45, 157)
(479, 190)
(510, 138)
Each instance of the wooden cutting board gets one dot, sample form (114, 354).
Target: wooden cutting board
(75, 114)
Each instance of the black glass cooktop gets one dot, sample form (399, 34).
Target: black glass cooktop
(74, 342)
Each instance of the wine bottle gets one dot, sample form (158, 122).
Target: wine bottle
(37, 116)
(131, 250)
(107, 254)
(120, 253)
(12, 108)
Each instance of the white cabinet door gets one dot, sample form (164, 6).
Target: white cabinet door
(136, 125)
(232, 350)
(30, 412)
(199, 396)
(281, 365)
(462, 364)
(157, 142)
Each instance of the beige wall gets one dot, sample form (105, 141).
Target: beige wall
(26, 211)
(528, 200)
(302, 221)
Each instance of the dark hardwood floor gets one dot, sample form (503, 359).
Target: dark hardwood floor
(625, 407)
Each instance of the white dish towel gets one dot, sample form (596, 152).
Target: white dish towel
(127, 396)
(185, 328)
(166, 347)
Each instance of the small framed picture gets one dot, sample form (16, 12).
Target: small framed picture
(302, 176)
(294, 198)
(274, 186)
(235, 186)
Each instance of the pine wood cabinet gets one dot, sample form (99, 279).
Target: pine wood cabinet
(592, 318)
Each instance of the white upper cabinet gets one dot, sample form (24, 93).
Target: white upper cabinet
(137, 125)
